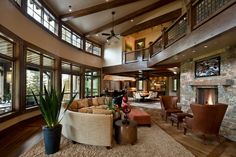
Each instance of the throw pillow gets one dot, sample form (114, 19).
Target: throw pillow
(90, 102)
(74, 105)
(95, 101)
(83, 103)
(101, 100)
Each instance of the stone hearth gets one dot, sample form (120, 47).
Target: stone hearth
(225, 84)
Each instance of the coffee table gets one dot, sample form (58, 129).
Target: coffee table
(126, 133)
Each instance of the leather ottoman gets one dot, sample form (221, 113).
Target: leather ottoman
(140, 116)
(178, 118)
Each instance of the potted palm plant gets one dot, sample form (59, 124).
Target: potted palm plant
(50, 105)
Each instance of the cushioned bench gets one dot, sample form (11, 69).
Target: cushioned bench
(140, 116)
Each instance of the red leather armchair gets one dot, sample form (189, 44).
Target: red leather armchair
(206, 119)
(168, 106)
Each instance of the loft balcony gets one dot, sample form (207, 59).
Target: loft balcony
(205, 22)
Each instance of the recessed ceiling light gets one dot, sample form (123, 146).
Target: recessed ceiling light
(70, 8)
(132, 20)
(107, 0)
(193, 51)
(97, 35)
(205, 46)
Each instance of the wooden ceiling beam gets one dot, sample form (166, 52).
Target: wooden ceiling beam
(131, 16)
(96, 8)
(153, 22)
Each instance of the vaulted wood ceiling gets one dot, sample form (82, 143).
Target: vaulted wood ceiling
(93, 17)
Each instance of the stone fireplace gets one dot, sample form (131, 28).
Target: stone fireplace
(207, 95)
(215, 89)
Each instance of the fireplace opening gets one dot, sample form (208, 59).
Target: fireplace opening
(207, 96)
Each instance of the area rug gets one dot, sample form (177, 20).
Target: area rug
(152, 142)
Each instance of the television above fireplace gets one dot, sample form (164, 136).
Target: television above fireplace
(207, 67)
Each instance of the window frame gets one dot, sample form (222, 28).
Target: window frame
(13, 62)
(41, 69)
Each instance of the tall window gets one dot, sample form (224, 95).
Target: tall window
(92, 83)
(70, 80)
(93, 48)
(39, 74)
(6, 75)
(42, 15)
(71, 37)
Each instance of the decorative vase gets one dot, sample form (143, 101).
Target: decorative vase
(52, 139)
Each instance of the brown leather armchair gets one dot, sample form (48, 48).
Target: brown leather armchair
(206, 119)
(168, 106)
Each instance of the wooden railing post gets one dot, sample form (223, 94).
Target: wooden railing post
(191, 17)
(164, 37)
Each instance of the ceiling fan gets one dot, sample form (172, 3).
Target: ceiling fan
(112, 34)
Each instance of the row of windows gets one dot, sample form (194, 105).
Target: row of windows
(92, 48)
(36, 10)
(40, 72)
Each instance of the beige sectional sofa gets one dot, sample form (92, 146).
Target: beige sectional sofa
(92, 125)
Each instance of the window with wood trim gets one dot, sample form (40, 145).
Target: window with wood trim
(93, 48)
(36, 10)
(70, 80)
(39, 74)
(92, 83)
(71, 37)
(6, 74)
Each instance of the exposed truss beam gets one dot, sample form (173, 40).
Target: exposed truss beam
(153, 22)
(96, 8)
(131, 16)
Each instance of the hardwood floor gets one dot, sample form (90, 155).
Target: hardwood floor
(22, 137)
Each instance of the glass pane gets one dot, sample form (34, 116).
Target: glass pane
(96, 86)
(33, 57)
(76, 85)
(32, 84)
(65, 66)
(6, 47)
(88, 84)
(48, 62)
(47, 80)
(66, 82)
(6, 74)
(75, 68)
(97, 50)
(88, 46)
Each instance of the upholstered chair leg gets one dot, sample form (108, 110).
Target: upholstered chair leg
(204, 138)
(185, 131)
(218, 138)
(109, 147)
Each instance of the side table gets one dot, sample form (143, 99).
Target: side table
(178, 118)
(126, 133)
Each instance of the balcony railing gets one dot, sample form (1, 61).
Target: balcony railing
(198, 12)
(135, 56)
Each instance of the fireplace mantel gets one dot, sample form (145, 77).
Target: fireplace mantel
(212, 82)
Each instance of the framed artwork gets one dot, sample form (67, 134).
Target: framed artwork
(140, 44)
(207, 67)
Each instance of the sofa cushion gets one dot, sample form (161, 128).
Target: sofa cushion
(85, 110)
(83, 103)
(101, 111)
(95, 101)
(101, 100)
(90, 102)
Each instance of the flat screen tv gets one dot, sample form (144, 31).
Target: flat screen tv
(207, 67)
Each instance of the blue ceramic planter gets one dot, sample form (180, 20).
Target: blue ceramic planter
(52, 139)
